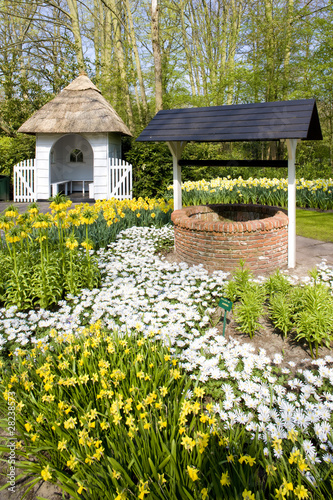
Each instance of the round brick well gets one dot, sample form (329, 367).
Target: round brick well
(218, 236)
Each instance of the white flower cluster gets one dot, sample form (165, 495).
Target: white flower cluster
(252, 394)
(142, 291)
(138, 290)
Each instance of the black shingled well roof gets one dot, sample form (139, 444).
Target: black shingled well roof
(238, 122)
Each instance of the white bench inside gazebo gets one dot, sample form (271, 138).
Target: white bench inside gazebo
(68, 187)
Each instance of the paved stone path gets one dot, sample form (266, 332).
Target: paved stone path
(43, 205)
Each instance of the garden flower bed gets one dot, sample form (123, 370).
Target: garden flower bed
(309, 193)
(237, 426)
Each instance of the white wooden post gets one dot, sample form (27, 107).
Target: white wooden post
(176, 148)
(291, 145)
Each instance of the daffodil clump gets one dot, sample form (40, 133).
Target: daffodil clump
(313, 194)
(37, 271)
(106, 414)
(150, 210)
(46, 256)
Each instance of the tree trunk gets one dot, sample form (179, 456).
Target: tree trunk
(186, 43)
(286, 61)
(270, 52)
(223, 55)
(107, 49)
(120, 56)
(137, 60)
(97, 39)
(236, 13)
(198, 52)
(72, 5)
(157, 55)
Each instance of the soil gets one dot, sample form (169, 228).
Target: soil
(269, 338)
(43, 490)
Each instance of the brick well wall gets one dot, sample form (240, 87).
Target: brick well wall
(203, 237)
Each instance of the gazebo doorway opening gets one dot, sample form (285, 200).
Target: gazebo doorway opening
(71, 165)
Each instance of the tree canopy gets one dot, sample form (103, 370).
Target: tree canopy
(147, 55)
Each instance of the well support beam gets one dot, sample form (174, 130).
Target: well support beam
(176, 148)
(291, 145)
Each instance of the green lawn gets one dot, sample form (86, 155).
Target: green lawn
(317, 225)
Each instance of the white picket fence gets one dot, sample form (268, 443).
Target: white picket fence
(25, 181)
(120, 179)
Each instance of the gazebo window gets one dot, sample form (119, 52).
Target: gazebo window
(76, 156)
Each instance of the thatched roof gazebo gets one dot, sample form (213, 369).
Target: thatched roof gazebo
(79, 108)
(77, 134)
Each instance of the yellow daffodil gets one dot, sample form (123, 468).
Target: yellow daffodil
(46, 474)
(121, 495)
(188, 443)
(62, 445)
(28, 427)
(225, 479)
(161, 478)
(143, 489)
(301, 492)
(204, 493)
(193, 473)
(80, 488)
(248, 495)
(162, 424)
(199, 392)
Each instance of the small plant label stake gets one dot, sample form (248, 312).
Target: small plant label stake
(225, 304)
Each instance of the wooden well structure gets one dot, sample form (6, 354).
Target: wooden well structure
(289, 121)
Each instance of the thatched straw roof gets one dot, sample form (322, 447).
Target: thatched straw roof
(79, 108)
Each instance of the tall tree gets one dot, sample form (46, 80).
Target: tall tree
(115, 9)
(75, 22)
(134, 47)
(155, 37)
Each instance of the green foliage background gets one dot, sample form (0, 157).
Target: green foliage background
(212, 53)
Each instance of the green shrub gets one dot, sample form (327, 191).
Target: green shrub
(281, 312)
(313, 321)
(250, 308)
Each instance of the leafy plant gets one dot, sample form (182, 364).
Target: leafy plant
(281, 312)
(250, 309)
(46, 282)
(18, 289)
(314, 320)
(239, 282)
(278, 283)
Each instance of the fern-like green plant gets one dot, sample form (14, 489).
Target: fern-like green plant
(281, 312)
(314, 317)
(239, 283)
(250, 308)
(277, 282)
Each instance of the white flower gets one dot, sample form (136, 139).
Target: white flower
(309, 449)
